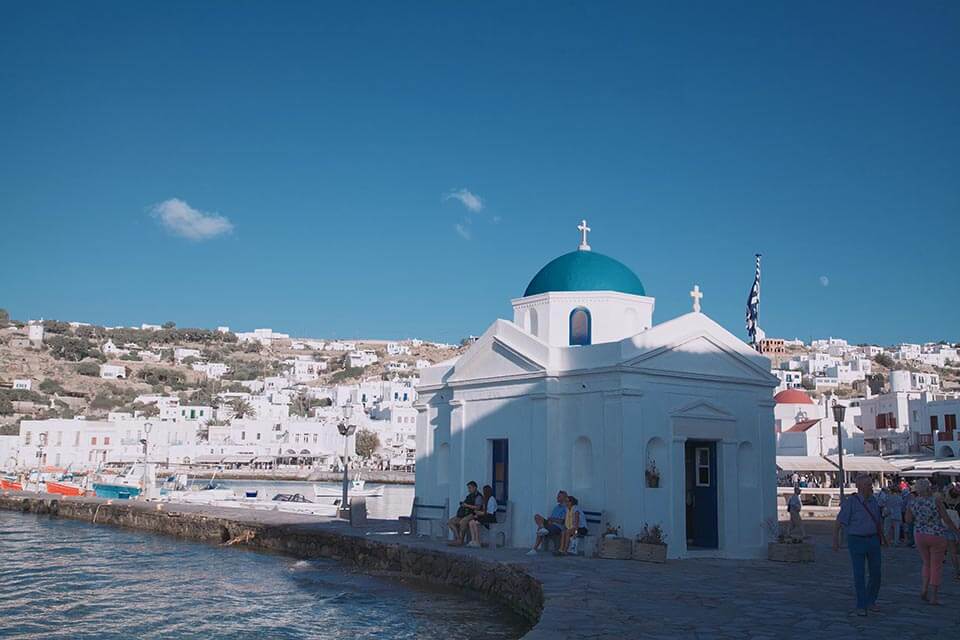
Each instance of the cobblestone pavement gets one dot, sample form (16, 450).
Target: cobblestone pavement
(592, 598)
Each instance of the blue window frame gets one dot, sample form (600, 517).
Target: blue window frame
(580, 326)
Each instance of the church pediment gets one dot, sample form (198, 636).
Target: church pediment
(699, 356)
(491, 357)
(702, 409)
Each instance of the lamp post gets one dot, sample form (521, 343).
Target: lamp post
(145, 442)
(838, 413)
(346, 430)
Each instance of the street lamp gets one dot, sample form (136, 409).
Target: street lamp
(346, 430)
(143, 481)
(838, 413)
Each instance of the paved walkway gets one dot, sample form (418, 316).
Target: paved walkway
(707, 599)
(702, 599)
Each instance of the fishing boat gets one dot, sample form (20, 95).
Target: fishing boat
(64, 488)
(358, 488)
(128, 484)
(10, 483)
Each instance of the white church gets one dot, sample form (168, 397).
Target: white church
(668, 424)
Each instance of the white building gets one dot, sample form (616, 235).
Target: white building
(361, 358)
(397, 349)
(113, 371)
(423, 364)
(35, 332)
(182, 353)
(397, 366)
(213, 370)
(583, 392)
(788, 379)
(23, 383)
(807, 428)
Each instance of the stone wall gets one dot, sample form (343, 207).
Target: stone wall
(503, 582)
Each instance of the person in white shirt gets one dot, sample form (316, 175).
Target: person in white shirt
(486, 517)
(793, 508)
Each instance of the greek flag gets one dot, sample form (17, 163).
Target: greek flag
(753, 306)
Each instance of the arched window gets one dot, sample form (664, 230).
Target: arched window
(580, 326)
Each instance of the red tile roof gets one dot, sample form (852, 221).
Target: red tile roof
(802, 426)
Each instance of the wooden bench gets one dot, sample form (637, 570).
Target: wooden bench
(429, 513)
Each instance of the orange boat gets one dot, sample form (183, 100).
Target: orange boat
(10, 485)
(64, 488)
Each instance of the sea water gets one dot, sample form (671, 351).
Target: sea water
(69, 579)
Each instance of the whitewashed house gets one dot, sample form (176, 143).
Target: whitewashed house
(182, 353)
(397, 349)
(583, 392)
(113, 371)
(361, 358)
(24, 384)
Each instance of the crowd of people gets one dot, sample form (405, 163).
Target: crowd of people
(919, 516)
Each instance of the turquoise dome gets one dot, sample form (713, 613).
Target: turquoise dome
(585, 271)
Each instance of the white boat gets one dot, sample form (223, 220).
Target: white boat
(358, 488)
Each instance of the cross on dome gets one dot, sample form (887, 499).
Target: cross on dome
(696, 294)
(584, 230)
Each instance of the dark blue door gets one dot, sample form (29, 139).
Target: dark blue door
(701, 467)
(501, 471)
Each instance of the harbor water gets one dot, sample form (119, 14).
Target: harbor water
(67, 579)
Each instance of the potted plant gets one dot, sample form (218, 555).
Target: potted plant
(612, 545)
(784, 547)
(650, 545)
(653, 475)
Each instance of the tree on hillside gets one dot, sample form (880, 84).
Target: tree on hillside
(884, 360)
(367, 443)
(88, 369)
(242, 409)
(146, 409)
(301, 405)
(6, 407)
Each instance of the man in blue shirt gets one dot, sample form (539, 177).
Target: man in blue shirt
(860, 518)
(552, 526)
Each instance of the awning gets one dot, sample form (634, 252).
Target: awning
(870, 464)
(264, 459)
(804, 463)
(238, 459)
(208, 459)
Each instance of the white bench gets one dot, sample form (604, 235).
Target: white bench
(428, 513)
(596, 525)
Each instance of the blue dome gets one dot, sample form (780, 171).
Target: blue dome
(585, 271)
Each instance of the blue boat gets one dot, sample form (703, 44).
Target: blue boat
(115, 491)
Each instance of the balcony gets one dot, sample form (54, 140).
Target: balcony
(945, 436)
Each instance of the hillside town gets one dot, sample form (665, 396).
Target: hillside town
(77, 397)
(80, 397)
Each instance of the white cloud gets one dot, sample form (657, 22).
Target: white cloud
(824, 281)
(463, 231)
(470, 200)
(183, 220)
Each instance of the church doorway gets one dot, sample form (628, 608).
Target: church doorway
(501, 470)
(701, 499)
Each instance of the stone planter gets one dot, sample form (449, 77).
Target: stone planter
(615, 549)
(788, 552)
(648, 552)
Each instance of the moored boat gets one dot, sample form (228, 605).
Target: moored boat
(10, 484)
(115, 491)
(64, 488)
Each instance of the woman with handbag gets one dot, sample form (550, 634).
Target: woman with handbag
(931, 526)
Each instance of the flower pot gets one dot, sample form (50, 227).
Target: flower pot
(614, 549)
(790, 552)
(648, 552)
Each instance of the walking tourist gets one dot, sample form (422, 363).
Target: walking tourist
(892, 515)
(931, 525)
(467, 511)
(574, 525)
(860, 518)
(552, 525)
(951, 500)
(485, 517)
(793, 508)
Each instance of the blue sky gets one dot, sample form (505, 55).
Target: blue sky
(328, 140)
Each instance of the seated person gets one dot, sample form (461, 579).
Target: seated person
(552, 526)
(486, 517)
(467, 511)
(574, 526)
